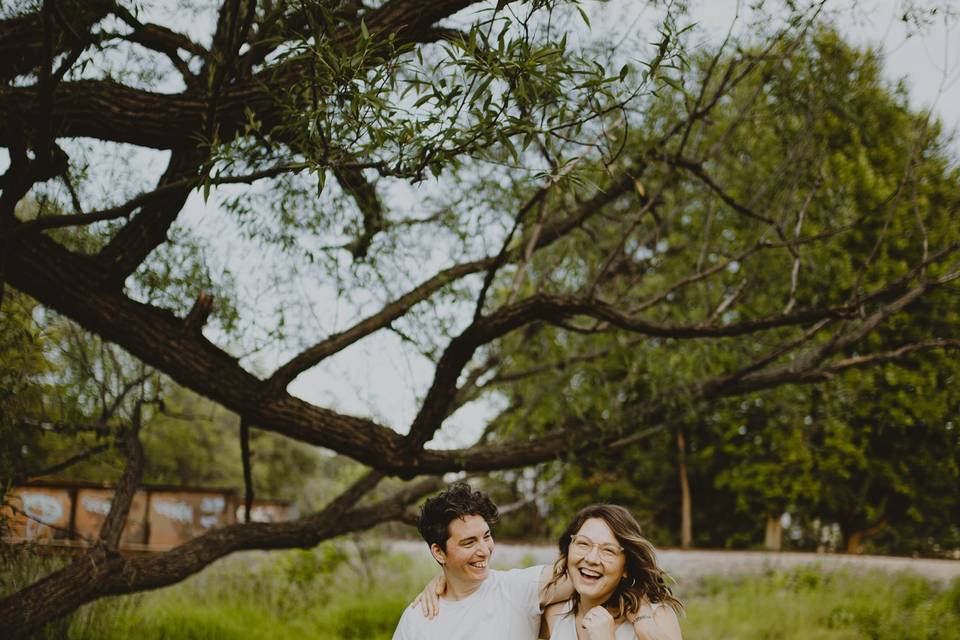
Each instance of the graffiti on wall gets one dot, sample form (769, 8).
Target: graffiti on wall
(211, 508)
(268, 511)
(175, 510)
(95, 504)
(37, 513)
(40, 509)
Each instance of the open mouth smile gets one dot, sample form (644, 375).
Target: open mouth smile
(590, 575)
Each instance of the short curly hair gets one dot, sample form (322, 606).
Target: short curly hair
(456, 501)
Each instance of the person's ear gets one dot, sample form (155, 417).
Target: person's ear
(438, 553)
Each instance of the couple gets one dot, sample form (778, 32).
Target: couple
(605, 585)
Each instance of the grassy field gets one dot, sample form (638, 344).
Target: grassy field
(337, 592)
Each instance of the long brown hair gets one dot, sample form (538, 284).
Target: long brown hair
(644, 578)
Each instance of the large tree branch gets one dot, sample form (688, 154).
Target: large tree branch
(69, 284)
(73, 285)
(98, 574)
(557, 309)
(141, 235)
(107, 110)
(646, 423)
(21, 38)
(116, 520)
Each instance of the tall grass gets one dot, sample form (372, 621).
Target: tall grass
(340, 592)
(811, 604)
(329, 592)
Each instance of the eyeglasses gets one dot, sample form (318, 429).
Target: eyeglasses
(581, 546)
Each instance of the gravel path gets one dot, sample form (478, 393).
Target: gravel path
(690, 565)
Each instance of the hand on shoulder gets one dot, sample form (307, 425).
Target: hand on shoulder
(429, 598)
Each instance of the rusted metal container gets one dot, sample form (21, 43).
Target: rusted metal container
(92, 507)
(161, 517)
(39, 513)
(177, 516)
(268, 511)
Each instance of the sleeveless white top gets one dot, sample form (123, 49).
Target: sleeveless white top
(565, 627)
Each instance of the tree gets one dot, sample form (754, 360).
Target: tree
(590, 200)
(759, 453)
(21, 365)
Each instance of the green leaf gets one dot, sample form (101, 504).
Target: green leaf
(583, 14)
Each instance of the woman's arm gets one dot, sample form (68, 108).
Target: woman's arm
(657, 623)
(550, 615)
(557, 592)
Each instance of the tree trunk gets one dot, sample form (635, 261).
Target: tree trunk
(686, 511)
(773, 538)
(852, 541)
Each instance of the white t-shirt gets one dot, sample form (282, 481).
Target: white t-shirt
(505, 607)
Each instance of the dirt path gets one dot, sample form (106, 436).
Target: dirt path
(690, 565)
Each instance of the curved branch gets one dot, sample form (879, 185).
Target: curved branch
(77, 286)
(21, 38)
(143, 199)
(339, 341)
(107, 110)
(98, 574)
(60, 466)
(116, 519)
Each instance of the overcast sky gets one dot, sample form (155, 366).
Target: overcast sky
(928, 58)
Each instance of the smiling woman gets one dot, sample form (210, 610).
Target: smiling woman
(620, 591)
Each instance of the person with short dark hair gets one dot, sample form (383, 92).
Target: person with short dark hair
(477, 602)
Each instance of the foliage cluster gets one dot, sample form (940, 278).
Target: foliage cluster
(869, 460)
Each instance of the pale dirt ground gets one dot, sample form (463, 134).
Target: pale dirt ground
(688, 566)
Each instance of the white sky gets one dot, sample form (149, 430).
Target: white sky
(928, 60)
